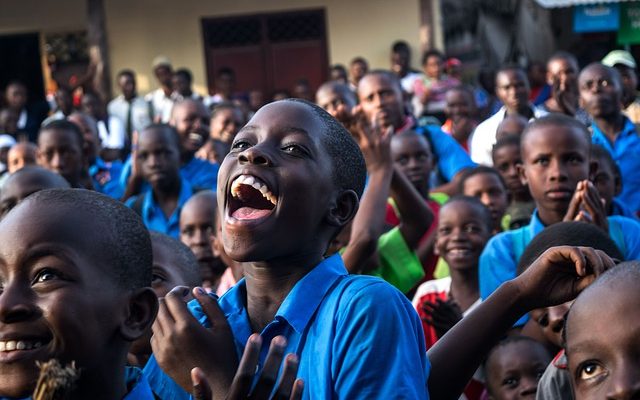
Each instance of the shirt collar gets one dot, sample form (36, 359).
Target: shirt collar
(627, 129)
(535, 225)
(150, 203)
(137, 385)
(305, 297)
(299, 305)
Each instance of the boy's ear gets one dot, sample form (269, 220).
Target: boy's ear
(141, 311)
(522, 174)
(343, 209)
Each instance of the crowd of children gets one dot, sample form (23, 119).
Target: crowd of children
(397, 238)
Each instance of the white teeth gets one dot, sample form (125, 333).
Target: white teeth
(12, 345)
(254, 182)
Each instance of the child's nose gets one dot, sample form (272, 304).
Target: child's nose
(253, 155)
(528, 386)
(625, 381)
(15, 305)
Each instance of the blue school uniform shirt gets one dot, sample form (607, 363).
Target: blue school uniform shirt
(450, 156)
(356, 337)
(625, 150)
(153, 216)
(201, 174)
(106, 178)
(500, 256)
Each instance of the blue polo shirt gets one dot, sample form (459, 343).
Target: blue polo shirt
(201, 174)
(153, 216)
(106, 178)
(625, 150)
(450, 156)
(500, 256)
(356, 336)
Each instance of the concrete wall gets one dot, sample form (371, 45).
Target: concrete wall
(139, 30)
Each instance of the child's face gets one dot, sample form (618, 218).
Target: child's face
(459, 105)
(607, 182)
(506, 160)
(462, 234)
(333, 102)
(433, 67)
(20, 156)
(512, 88)
(603, 349)
(551, 321)
(381, 100)
(191, 120)
(412, 155)
(555, 159)
(196, 231)
(166, 274)
(564, 72)
(225, 124)
(159, 157)
(600, 96)
(357, 70)
(57, 300)
(276, 186)
(490, 191)
(60, 152)
(513, 371)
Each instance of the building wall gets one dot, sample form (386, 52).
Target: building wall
(139, 30)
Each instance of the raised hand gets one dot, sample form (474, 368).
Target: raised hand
(180, 343)
(287, 388)
(586, 206)
(560, 274)
(374, 141)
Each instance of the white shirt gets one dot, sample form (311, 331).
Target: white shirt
(484, 136)
(162, 104)
(140, 112)
(112, 137)
(22, 119)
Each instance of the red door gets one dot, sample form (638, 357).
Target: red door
(268, 52)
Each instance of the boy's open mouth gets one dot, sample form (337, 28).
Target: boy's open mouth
(250, 198)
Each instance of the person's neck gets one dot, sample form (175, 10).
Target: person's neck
(550, 217)
(167, 196)
(465, 288)
(130, 97)
(186, 157)
(269, 283)
(168, 90)
(106, 384)
(524, 111)
(610, 125)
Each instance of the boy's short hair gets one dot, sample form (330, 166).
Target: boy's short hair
(358, 60)
(390, 76)
(600, 153)
(349, 169)
(173, 133)
(126, 72)
(186, 264)
(509, 140)
(341, 88)
(511, 67)
(400, 46)
(225, 105)
(122, 241)
(432, 53)
(555, 119)
(510, 340)
(480, 169)
(64, 125)
(474, 202)
(563, 55)
(571, 233)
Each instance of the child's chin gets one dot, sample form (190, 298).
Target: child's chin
(19, 385)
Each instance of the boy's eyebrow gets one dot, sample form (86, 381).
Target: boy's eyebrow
(292, 129)
(49, 249)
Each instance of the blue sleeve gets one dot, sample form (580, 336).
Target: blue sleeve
(126, 172)
(161, 384)
(498, 265)
(631, 232)
(451, 156)
(367, 362)
(129, 202)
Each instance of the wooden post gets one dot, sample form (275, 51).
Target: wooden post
(98, 49)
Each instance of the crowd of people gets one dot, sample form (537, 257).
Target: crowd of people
(401, 234)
